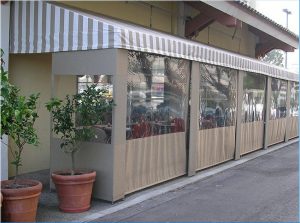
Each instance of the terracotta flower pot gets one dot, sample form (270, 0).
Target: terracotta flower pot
(74, 192)
(20, 204)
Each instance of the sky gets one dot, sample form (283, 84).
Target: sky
(274, 10)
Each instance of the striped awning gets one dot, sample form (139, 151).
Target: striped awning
(40, 27)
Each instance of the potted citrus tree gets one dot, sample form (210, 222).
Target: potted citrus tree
(73, 121)
(18, 115)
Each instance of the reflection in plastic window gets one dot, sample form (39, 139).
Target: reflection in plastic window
(217, 96)
(253, 97)
(103, 131)
(294, 109)
(102, 82)
(157, 95)
(278, 99)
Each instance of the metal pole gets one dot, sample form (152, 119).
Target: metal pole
(238, 127)
(194, 116)
(288, 106)
(287, 26)
(267, 111)
(285, 65)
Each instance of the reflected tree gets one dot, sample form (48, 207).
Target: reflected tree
(175, 84)
(157, 94)
(278, 99)
(274, 57)
(143, 64)
(219, 87)
(253, 95)
(294, 99)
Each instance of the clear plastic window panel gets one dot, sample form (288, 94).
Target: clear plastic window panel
(294, 108)
(103, 129)
(253, 97)
(278, 99)
(217, 96)
(157, 95)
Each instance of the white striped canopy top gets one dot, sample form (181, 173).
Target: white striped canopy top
(39, 27)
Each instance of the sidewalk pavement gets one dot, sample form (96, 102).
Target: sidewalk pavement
(48, 206)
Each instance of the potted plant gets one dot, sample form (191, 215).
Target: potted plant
(18, 115)
(73, 120)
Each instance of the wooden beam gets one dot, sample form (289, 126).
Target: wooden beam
(229, 21)
(268, 43)
(262, 49)
(197, 24)
(216, 14)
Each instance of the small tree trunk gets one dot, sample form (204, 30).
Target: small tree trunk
(17, 173)
(73, 163)
(17, 163)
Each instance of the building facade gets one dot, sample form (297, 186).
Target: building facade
(189, 90)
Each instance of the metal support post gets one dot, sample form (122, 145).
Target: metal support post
(288, 106)
(267, 112)
(194, 116)
(240, 79)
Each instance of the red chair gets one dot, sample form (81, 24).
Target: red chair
(179, 125)
(145, 129)
(173, 126)
(148, 129)
(136, 132)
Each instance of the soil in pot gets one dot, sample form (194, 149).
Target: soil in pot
(20, 200)
(74, 191)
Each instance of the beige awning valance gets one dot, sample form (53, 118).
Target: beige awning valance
(40, 27)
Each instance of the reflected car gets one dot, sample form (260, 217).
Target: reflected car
(136, 95)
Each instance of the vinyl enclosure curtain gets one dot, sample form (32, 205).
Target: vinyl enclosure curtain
(40, 27)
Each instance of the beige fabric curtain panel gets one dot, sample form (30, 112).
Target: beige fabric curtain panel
(294, 127)
(39, 27)
(154, 159)
(252, 136)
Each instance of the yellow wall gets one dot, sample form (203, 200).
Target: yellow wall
(162, 16)
(32, 73)
(243, 41)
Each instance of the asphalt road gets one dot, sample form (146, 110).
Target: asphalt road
(263, 189)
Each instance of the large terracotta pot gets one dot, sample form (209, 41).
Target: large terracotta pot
(20, 204)
(74, 191)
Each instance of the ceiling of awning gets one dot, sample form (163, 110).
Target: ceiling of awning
(209, 14)
(270, 34)
(267, 43)
(40, 27)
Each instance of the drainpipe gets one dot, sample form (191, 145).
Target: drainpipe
(5, 17)
(181, 20)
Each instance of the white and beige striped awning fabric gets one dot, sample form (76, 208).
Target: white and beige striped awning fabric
(40, 27)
